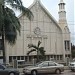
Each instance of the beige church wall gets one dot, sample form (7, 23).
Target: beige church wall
(16, 49)
(47, 44)
(66, 36)
(52, 43)
(59, 44)
(51, 35)
(62, 17)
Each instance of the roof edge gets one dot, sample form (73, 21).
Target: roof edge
(44, 10)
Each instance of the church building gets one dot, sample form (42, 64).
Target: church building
(55, 36)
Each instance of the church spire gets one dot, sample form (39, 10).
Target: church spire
(61, 6)
(36, 0)
(61, 1)
(62, 12)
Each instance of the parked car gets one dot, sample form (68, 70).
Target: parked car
(44, 67)
(8, 71)
(72, 65)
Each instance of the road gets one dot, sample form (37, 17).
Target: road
(66, 72)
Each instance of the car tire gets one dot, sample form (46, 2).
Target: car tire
(72, 70)
(58, 71)
(34, 72)
(25, 74)
(11, 73)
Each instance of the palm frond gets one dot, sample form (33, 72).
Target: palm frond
(11, 19)
(11, 37)
(32, 50)
(11, 25)
(39, 42)
(42, 51)
(1, 18)
(27, 12)
(32, 46)
(19, 2)
(24, 10)
(18, 5)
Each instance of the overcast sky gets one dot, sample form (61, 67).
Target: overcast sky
(52, 7)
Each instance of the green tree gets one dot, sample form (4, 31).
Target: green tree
(38, 49)
(9, 23)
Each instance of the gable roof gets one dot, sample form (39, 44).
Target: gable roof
(45, 10)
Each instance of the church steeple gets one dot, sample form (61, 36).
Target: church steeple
(61, 1)
(36, 0)
(62, 12)
(61, 6)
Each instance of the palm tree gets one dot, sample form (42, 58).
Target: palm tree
(38, 49)
(9, 23)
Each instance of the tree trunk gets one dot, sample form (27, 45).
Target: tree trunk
(1, 1)
(3, 32)
(37, 56)
(3, 42)
(28, 58)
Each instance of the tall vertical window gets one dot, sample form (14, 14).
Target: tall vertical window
(67, 44)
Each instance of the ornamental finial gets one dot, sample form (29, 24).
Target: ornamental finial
(36, 0)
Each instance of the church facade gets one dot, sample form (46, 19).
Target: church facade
(55, 36)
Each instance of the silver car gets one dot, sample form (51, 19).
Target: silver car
(8, 71)
(44, 67)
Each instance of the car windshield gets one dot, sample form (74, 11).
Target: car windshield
(38, 63)
(4, 66)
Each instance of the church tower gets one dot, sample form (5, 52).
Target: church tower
(36, 0)
(62, 14)
(65, 30)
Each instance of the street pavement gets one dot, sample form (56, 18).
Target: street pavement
(66, 72)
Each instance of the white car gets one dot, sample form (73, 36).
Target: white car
(72, 65)
(44, 67)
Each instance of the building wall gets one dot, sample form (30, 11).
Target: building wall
(50, 34)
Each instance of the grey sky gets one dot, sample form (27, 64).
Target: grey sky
(52, 6)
